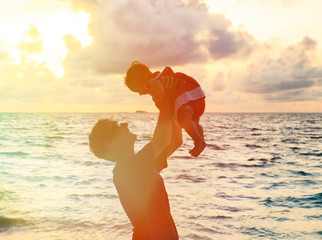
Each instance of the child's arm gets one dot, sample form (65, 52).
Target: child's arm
(157, 92)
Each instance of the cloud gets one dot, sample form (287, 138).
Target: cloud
(271, 3)
(31, 47)
(218, 82)
(33, 32)
(226, 43)
(289, 76)
(4, 56)
(27, 81)
(72, 43)
(34, 44)
(291, 96)
(155, 32)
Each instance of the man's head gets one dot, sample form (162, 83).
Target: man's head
(136, 77)
(109, 140)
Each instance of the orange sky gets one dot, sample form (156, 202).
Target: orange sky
(249, 56)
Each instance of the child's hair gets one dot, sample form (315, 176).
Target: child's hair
(102, 136)
(136, 76)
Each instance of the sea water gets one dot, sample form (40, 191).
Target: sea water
(260, 177)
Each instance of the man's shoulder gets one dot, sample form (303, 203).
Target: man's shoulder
(145, 152)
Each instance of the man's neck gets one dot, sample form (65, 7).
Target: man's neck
(126, 155)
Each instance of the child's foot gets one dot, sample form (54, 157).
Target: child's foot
(198, 149)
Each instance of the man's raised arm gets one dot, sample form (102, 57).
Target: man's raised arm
(163, 130)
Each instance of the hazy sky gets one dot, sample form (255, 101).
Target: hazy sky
(248, 55)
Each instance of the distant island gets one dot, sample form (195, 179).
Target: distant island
(139, 111)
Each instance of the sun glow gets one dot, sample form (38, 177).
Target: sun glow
(38, 34)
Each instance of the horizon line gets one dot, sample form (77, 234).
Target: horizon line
(142, 112)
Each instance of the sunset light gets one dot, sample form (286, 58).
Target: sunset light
(37, 34)
(160, 119)
(248, 56)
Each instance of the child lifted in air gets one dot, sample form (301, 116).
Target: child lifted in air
(187, 97)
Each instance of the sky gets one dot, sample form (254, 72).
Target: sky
(247, 55)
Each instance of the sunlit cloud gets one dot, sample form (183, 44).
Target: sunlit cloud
(32, 45)
(37, 31)
(290, 76)
(158, 33)
(75, 53)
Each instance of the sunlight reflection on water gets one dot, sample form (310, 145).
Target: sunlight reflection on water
(259, 178)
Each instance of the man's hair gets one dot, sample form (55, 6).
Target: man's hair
(136, 75)
(101, 136)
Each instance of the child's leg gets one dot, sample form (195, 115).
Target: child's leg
(200, 129)
(197, 150)
(194, 130)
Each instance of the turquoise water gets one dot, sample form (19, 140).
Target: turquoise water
(259, 178)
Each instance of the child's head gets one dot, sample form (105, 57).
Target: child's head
(137, 76)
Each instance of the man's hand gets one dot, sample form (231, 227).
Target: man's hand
(169, 83)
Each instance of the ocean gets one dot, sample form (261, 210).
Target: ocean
(260, 177)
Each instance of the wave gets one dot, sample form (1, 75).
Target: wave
(78, 197)
(264, 160)
(276, 185)
(191, 178)
(46, 145)
(273, 159)
(252, 146)
(316, 137)
(290, 140)
(18, 153)
(314, 217)
(230, 209)
(301, 173)
(314, 153)
(256, 134)
(255, 129)
(295, 148)
(260, 232)
(235, 165)
(305, 182)
(310, 121)
(215, 147)
(307, 201)
(57, 137)
(6, 222)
